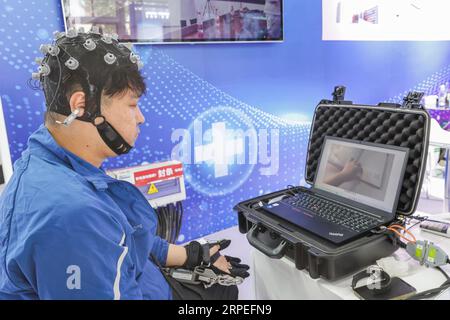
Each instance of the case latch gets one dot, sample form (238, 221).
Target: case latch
(338, 96)
(413, 100)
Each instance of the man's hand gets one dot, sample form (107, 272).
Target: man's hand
(219, 264)
(352, 170)
(226, 264)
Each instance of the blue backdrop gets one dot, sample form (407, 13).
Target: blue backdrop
(266, 93)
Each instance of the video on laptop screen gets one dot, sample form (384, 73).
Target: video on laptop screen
(370, 174)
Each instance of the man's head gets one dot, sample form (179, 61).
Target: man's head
(98, 78)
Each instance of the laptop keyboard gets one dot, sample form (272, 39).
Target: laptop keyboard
(333, 212)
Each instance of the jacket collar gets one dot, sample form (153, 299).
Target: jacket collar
(42, 144)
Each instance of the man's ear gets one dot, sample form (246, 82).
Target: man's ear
(78, 101)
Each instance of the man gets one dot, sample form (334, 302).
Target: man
(2, 178)
(272, 10)
(69, 231)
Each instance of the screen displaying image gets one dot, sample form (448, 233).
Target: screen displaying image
(357, 170)
(386, 20)
(162, 21)
(363, 173)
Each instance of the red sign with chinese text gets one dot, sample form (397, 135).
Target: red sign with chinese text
(145, 177)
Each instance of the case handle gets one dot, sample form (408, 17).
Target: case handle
(275, 253)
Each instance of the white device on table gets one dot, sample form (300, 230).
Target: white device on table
(439, 228)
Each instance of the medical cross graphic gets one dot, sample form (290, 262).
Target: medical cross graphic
(221, 151)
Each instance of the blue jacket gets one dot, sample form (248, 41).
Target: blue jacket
(69, 231)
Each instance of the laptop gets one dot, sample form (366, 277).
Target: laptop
(356, 189)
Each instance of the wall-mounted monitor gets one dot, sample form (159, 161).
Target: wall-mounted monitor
(179, 21)
(5, 157)
(386, 20)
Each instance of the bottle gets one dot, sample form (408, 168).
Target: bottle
(447, 96)
(442, 96)
(447, 100)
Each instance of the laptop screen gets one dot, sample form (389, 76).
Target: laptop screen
(368, 173)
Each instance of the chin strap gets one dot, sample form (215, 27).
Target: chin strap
(111, 137)
(106, 131)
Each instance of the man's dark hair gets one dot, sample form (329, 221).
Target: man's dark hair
(120, 80)
(91, 62)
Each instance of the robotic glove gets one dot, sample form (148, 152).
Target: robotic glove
(235, 267)
(198, 255)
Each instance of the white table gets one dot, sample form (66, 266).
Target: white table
(279, 279)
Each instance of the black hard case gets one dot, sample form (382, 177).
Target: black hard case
(385, 124)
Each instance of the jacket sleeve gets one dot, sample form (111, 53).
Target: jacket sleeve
(160, 249)
(82, 254)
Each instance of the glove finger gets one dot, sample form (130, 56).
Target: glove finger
(225, 243)
(232, 259)
(237, 272)
(222, 244)
(239, 266)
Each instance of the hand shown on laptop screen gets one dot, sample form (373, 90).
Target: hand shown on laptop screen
(352, 171)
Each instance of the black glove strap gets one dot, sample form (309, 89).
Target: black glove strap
(206, 261)
(197, 255)
(193, 252)
(214, 257)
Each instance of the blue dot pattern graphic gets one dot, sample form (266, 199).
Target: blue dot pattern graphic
(177, 99)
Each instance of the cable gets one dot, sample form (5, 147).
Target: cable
(161, 213)
(179, 208)
(177, 221)
(395, 228)
(431, 293)
(170, 219)
(415, 224)
(443, 272)
(382, 229)
(173, 223)
(59, 83)
(34, 84)
(167, 219)
(428, 293)
(417, 218)
(289, 189)
(169, 222)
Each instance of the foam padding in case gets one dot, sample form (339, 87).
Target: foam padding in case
(396, 127)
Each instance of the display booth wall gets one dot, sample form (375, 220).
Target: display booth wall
(252, 101)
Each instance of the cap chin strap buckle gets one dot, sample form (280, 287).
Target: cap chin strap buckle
(111, 137)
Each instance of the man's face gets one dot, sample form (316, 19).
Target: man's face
(123, 113)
